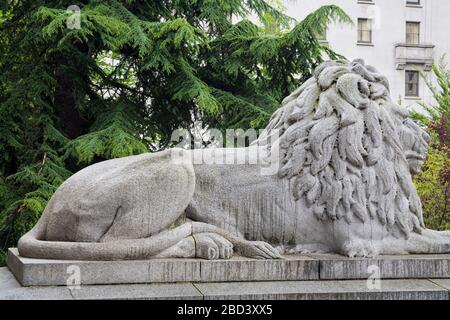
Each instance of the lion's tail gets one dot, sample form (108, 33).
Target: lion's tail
(31, 246)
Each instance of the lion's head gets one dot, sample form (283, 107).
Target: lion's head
(348, 149)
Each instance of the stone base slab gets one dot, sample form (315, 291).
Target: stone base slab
(39, 272)
(411, 289)
(334, 267)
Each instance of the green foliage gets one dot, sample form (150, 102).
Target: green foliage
(433, 183)
(438, 117)
(441, 92)
(25, 193)
(113, 135)
(433, 186)
(133, 73)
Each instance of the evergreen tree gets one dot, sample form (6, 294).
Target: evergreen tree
(132, 73)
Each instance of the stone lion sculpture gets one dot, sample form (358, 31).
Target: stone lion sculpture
(345, 152)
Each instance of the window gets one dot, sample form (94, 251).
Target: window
(364, 30)
(414, 2)
(412, 83)
(412, 32)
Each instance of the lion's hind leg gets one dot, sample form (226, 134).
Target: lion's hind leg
(210, 242)
(246, 248)
(210, 246)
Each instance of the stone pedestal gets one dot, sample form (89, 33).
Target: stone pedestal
(39, 272)
(312, 276)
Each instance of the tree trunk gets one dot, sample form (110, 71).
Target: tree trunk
(70, 120)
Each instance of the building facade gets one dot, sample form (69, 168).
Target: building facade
(399, 37)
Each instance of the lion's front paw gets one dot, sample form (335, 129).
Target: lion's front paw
(436, 234)
(212, 246)
(429, 241)
(358, 248)
(258, 250)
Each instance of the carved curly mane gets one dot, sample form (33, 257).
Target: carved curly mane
(341, 147)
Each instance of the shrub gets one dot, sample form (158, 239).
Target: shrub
(433, 186)
(433, 183)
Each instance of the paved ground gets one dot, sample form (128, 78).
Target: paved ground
(426, 289)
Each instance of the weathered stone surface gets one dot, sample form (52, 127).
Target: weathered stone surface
(173, 291)
(295, 267)
(436, 289)
(444, 283)
(10, 289)
(7, 280)
(37, 272)
(334, 267)
(323, 290)
(41, 272)
(333, 173)
(43, 293)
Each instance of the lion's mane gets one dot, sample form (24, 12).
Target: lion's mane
(342, 147)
